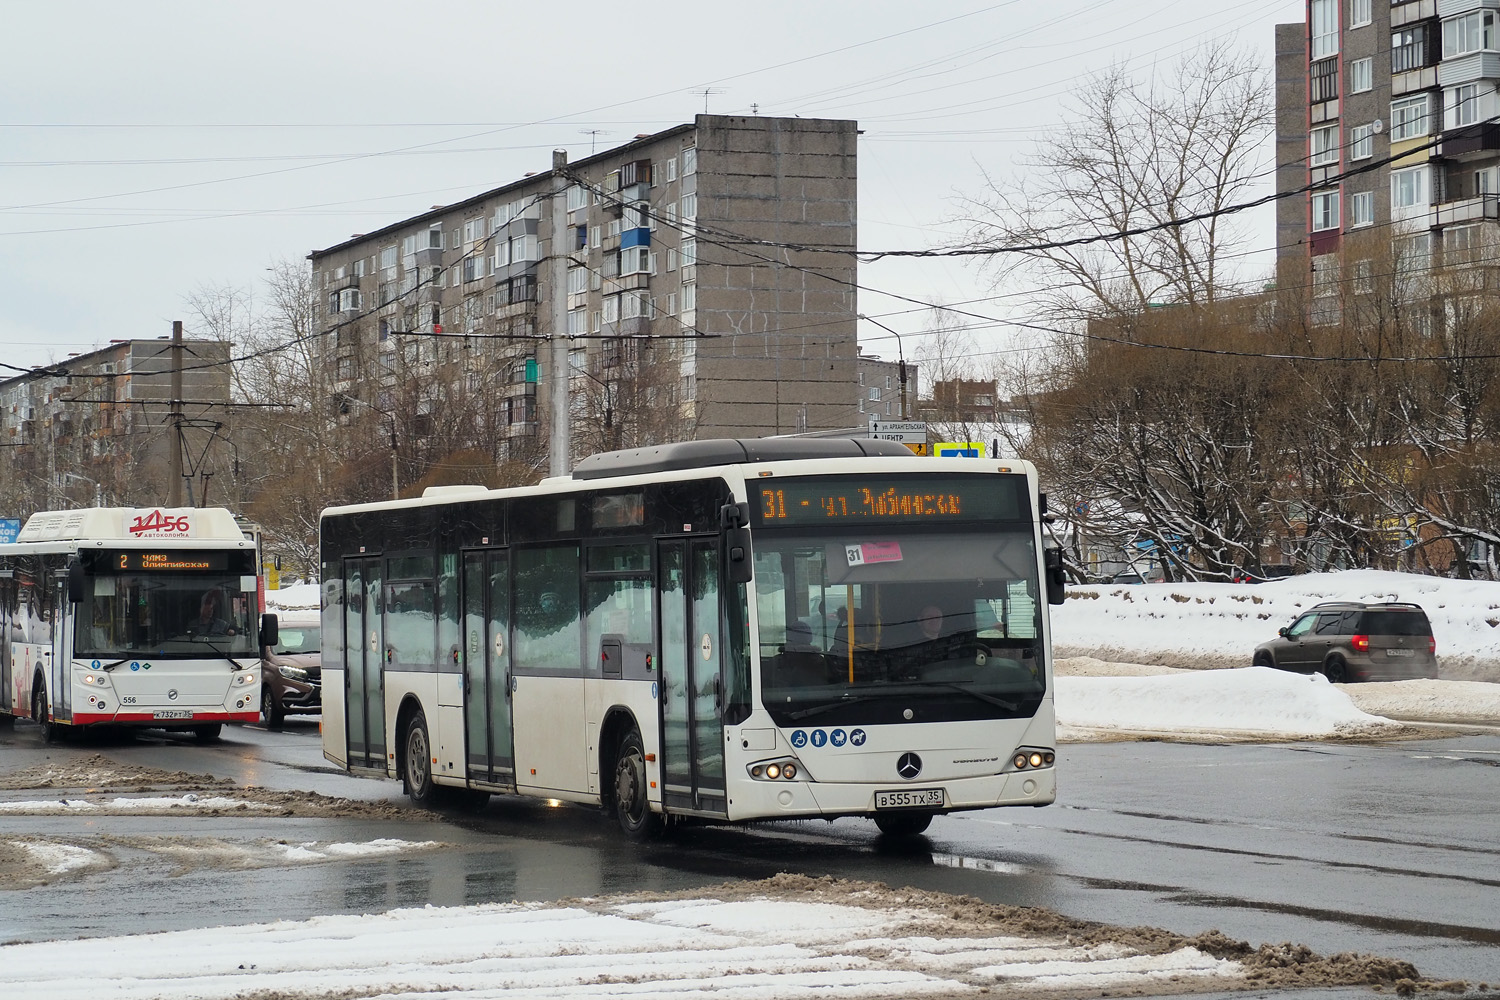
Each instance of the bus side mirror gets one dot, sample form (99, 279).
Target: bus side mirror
(270, 633)
(75, 582)
(733, 521)
(1055, 577)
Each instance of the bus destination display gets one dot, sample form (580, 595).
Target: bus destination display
(891, 500)
(156, 562)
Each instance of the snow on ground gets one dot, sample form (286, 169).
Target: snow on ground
(1219, 625)
(753, 949)
(137, 805)
(298, 597)
(1256, 702)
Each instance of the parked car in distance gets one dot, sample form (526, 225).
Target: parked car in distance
(1353, 641)
(292, 670)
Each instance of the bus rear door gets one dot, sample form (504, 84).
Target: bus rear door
(692, 684)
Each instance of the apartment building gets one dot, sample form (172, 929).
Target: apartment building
(674, 265)
(887, 389)
(1362, 82)
(96, 427)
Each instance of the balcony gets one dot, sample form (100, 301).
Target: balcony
(1481, 137)
(1451, 213)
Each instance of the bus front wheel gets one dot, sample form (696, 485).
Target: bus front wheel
(632, 802)
(41, 715)
(417, 764)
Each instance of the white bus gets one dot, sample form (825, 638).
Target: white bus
(126, 616)
(705, 631)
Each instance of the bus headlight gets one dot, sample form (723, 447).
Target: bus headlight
(96, 680)
(246, 677)
(1031, 758)
(782, 769)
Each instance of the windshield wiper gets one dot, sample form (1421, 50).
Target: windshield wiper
(820, 709)
(224, 653)
(1001, 702)
(111, 666)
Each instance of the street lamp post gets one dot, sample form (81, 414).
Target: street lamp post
(899, 353)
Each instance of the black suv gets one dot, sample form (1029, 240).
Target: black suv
(1351, 641)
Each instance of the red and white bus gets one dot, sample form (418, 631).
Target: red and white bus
(126, 616)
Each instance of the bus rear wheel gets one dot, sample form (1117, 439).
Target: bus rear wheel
(632, 801)
(903, 824)
(208, 732)
(416, 765)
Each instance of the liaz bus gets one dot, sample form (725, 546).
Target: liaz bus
(126, 616)
(705, 631)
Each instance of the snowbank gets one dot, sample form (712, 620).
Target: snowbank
(1254, 702)
(1199, 625)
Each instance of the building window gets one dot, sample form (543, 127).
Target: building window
(473, 268)
(1408, 191)
(1472, 32)
(476, 230)
(689, 206)
(1487, 181)
(689, 297)
(1364, 276)
(1325, 145)
(635, 260)
(1361, 142)
(1325, 210)
(1360, 13)
(1463, 245)
(611, 309)
(577, 198)
(1362, 209)
(1325, 28)
(671, 169)
(689, 160)
(875, 394)
(1461, 105)
(1361, 76)
(578, 280)
(1409, 118)
(1409, 48)
(1325, 81)
(688, 254)
(388, 259)
(524, 248)
(578, 322)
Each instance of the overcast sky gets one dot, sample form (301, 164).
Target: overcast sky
(150, 149)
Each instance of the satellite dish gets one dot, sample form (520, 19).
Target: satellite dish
(1377, 126)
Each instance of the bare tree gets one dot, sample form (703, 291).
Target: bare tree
(1139, 169)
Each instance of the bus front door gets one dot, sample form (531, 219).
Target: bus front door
(692, 685)
(364, 676)
(486, 602)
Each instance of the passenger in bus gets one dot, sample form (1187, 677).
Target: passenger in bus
(931, 622)
(208, 621)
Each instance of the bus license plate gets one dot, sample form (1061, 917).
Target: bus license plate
(908, 798)
(173, 713)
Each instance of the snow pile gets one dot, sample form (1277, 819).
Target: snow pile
(1253, 702)
(1219, 624)
(299, 597)
(136, 806)
(756, 949)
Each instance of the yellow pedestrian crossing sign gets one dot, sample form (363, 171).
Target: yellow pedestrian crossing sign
(959, 449)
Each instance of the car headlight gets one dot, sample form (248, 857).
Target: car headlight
(295, 673)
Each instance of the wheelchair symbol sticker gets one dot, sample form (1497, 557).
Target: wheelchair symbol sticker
(799, 739)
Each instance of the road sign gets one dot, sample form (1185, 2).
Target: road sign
(908, 432)
(10, 527)
(916, 449)
(959, 449)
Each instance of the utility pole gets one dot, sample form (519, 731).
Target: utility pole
(175, 493)
(557, 292)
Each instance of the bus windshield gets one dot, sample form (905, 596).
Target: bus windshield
(165, 614)
(888, 627)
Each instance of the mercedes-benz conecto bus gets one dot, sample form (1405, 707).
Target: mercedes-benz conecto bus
(142, 617)
(705, 631)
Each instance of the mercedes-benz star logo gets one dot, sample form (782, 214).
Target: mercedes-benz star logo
(909, 766)
(172, 696)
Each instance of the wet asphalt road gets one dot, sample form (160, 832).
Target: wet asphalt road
(1391, 848)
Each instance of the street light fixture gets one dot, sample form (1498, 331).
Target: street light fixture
(899, 352)
(98, 489)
